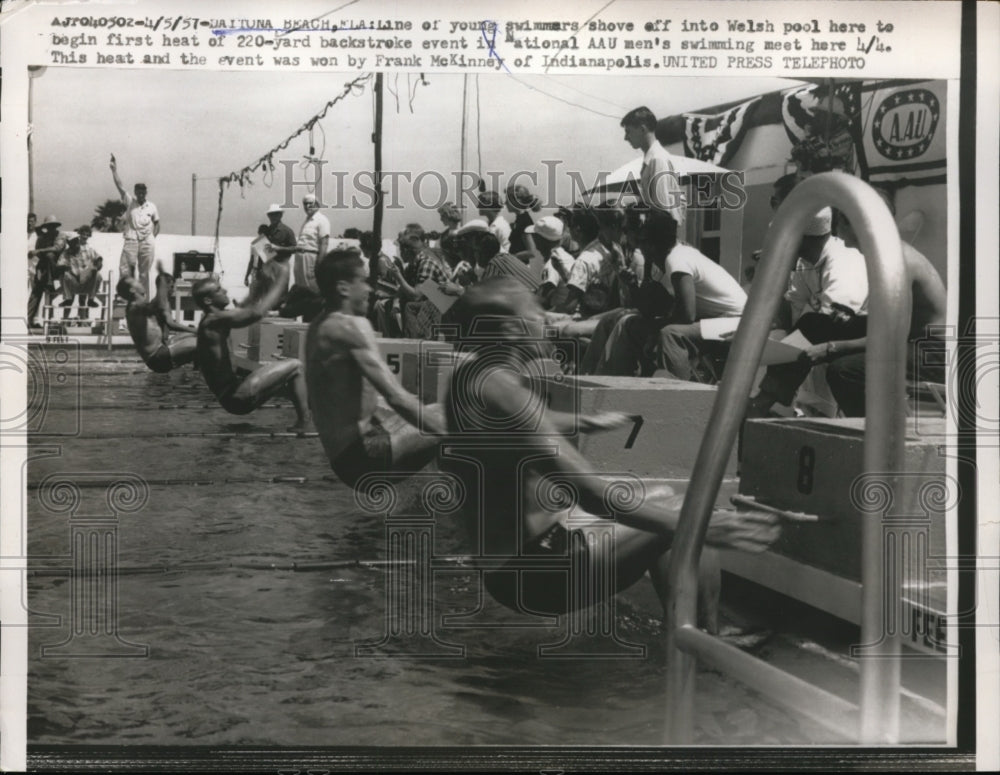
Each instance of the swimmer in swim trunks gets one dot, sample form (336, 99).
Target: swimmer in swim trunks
(238, 396)
(502, 453)
(345, 373)
(150, 321)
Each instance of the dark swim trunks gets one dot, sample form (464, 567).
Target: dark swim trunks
(543, 591)
(369, 453)
(237, 404)
(161, 361)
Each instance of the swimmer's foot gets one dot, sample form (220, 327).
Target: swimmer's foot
(745, 638)
(301, 426)
(744, 634)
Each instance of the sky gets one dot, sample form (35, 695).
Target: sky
(163, 126)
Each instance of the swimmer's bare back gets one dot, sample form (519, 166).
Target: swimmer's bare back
(215, 363)
(144, 328)
(502, 485)
(345, 374)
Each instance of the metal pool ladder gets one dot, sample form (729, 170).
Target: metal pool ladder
(876, 720)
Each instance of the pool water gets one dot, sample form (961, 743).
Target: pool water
(239, 653)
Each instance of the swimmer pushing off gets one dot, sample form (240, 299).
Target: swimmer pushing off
(149, 322)
(509, 453)
(236, 396)
(345, 371)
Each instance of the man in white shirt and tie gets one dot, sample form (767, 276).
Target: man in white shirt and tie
(659, 183)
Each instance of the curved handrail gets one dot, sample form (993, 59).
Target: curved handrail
(885, 405)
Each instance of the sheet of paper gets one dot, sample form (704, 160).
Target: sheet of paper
(796, 339)
(440, 300)
(262, 249)
(714, 329)
(779, 351)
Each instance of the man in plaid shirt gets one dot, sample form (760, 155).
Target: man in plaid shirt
(421, 263)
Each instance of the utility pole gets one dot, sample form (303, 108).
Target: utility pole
(379, 194)
(194, 199)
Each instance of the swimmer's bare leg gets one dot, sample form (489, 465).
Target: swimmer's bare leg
(281, 378)
(709, 587)
(296, 392)
(709, 571)
(183, 349)
(412, 449)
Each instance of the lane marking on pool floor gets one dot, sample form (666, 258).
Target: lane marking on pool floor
(190, 434)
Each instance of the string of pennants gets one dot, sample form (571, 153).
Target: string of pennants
(265, 162)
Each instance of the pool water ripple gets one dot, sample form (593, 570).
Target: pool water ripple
(267, 657)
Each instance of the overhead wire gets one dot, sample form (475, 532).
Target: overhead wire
(479, 139)
(266, 160)
(561, 99)
(465, 90)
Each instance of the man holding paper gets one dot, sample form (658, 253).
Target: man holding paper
(828, 296)
(707, 300)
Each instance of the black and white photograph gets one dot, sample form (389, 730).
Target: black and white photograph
(497, 387)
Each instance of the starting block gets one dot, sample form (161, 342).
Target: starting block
(259, 343)
(428, 373)
(663, 440)
(293, 343)
(243, 343)
(402, 356)
(272, 333)
(814, 466)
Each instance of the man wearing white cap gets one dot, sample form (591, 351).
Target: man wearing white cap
(314, 238)
(271, 238)
(828, 296)
(548, 233)
(278, 233)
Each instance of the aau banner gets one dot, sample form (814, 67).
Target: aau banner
(904, 133)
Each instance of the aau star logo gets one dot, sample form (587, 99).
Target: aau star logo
(904, 124)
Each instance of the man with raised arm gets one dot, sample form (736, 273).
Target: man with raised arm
(510, 451)
(141, 225)
(346, 374)
(242, 396)
(150, 320)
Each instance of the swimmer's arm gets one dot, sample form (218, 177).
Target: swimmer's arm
(357, 336)
(165, 315)
(173, 325)
(505, 397)
(241, 317)
(404, 403)
(568, 424)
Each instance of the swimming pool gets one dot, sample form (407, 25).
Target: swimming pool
(242, 653)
